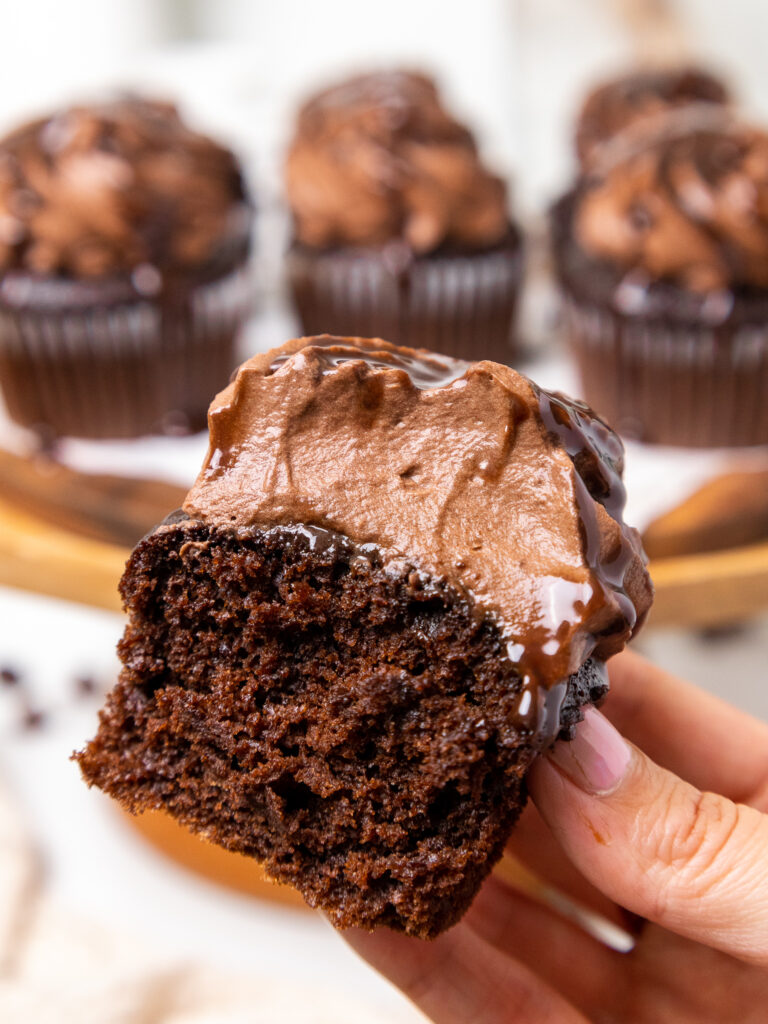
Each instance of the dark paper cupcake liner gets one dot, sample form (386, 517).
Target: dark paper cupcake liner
(460, 304)
(99, 361)
(663, 364)
(692, 386)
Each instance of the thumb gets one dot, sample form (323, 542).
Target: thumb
(695, 863)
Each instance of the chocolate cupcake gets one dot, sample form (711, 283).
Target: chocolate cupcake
(635, 98)
(124, 239)
(399, 230)
(662, 254)
(395, 580)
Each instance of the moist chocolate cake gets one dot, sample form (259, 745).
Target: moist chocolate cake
(395, 580)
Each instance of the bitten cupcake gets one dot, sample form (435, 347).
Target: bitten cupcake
(631, 99)
(662, 254)
(124, 239)
(394, 582)
(399, 229)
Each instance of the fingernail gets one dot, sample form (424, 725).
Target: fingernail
(597, 758)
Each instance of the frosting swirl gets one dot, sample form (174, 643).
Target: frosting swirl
(93, 191)
(378, 158)
(629, 99)
(687, 204)
(466, 471)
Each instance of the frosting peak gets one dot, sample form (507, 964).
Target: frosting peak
(378, 158)
(687, 203)
(100, 190)
(466, 471)
(621, 102)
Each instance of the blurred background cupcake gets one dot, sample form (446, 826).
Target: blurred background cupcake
(662, 255)
(124, 240)
(399, 229)
(630, 99)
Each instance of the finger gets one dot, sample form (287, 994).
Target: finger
(547, 942)
(690, 732)
(458, 978)
(534, 846)
(693, 862)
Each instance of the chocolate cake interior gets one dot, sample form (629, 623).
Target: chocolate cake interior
(354, 725)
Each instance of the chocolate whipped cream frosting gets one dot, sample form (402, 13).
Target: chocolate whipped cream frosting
(621, 102)
(687, 205)
(94, 191)
(378, 158)
(467, 472)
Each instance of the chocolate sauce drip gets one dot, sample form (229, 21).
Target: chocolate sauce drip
(598, 458)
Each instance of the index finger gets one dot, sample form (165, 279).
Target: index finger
(695, 735)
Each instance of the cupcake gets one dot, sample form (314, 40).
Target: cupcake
(662, 254)
(399, 229)
(634, 98)
(395, 581)
(124, 240)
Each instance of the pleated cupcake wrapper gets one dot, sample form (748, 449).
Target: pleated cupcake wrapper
(461, 305)
(690, 386)
(120, 370)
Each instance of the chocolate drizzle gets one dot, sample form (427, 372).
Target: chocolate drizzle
(467, 473)
(598, 458)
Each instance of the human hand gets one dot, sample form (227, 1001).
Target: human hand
(668, 838)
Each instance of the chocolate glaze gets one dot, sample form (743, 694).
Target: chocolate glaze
(467, 472)
(598, 458)
(425, 369)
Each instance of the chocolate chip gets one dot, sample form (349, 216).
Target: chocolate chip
(33, 719)
(639, 217)
(85, 686)
(9, 675)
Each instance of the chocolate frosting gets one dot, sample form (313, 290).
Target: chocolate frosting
(379, 158)
(616, 104)
(686, 204)
(467, 472)
(95, 191)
